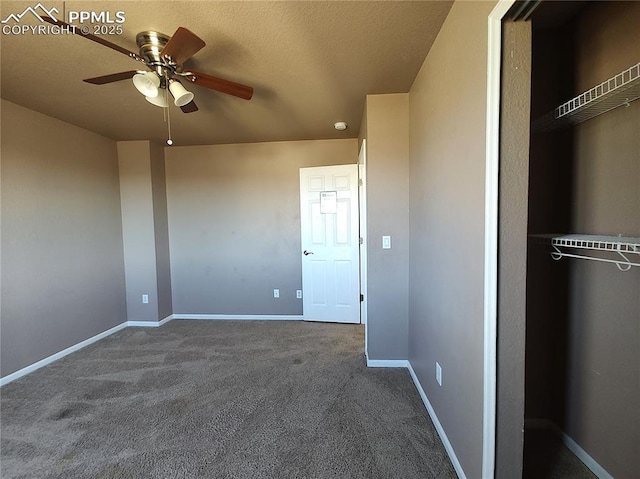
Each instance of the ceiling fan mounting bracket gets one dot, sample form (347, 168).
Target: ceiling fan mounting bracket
(186, 75)
(151, 44)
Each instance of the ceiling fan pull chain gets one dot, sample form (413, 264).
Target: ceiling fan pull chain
(169, 140)
(166, 92)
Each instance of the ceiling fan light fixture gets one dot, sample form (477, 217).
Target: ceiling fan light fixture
(159, 100)
(147, 84)
(180, 94)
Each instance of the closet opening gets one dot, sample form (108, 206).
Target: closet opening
(582, 301)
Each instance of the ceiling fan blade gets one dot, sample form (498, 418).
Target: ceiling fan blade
(189, 107)
(182, 46)
(220, 84)
(111, 78)
(74, 29)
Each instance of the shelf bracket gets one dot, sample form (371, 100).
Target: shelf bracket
(627, 263)
(614, 245)
(622, 265)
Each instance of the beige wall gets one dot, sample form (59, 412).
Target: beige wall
(62, 260)
(234, 223)
(145, 232)
(603, 353)
(387, 135)
(447, 104)
(161, 230)
(137, 229)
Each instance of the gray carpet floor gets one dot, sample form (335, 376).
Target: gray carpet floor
(219, 399)
(545, 457)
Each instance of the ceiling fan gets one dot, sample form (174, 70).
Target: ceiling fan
(164, 57)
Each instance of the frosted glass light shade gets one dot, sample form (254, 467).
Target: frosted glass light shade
(180, 94)
(147, 83)
(159, 100)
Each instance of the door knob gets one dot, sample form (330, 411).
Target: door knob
(307, 253)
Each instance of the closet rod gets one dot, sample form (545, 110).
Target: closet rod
(617, 245)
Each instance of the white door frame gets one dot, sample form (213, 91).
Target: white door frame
(362, 215)
(494, 56)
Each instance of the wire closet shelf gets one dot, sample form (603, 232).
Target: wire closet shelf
(620, 90)
(624, 249)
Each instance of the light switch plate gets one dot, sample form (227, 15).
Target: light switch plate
(386, 242)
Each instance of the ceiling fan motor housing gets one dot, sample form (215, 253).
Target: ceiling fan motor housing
(151, 44)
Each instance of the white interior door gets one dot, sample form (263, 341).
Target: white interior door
(329, 223)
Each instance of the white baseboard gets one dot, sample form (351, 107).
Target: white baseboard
(150, 324)
(54, 357)
(403, 363)
(144, 324)
(387, 363)
(235, 317)
(573, 446)
(443, 436)
(588, 461)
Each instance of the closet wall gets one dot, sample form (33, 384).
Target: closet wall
(583, 317)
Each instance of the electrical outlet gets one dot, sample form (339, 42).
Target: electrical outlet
(299, 293)
(276, 293)
(438, 373)
(145, 299)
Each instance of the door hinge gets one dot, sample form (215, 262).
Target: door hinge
(361, 298)
(360, 182)
(361, 240)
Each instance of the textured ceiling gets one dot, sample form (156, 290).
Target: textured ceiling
(311, 63)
